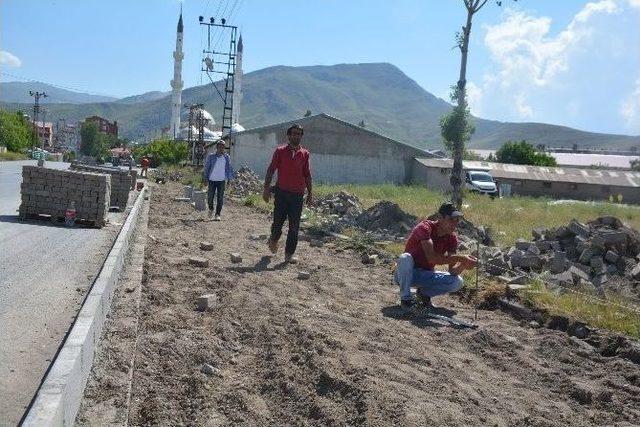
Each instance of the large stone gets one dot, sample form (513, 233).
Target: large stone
(610, 221)
(545, 245)
(522, 244)
(537, 233)
(565, 278)
(578, 228)
(199, 262)
(206, 302)
(611, 257)
(304, 275)
(558, 262)
(586, 255)
(606, 239)
(236, 258)
(597, 263)
(635, 272)
(531, 261)
(578, 274)
(496, 266)
(600, 280)
(534, 249)
(206, 246)
(199, 200)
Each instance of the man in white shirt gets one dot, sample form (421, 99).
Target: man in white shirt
(217, 170)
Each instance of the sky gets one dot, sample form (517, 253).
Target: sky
(567, 62)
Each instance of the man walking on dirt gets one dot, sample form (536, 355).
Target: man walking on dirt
(432, 243)
(144, 165)
(294, 176)
(217, 170)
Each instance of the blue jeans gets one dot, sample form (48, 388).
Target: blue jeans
(216, 189)
(429, 283)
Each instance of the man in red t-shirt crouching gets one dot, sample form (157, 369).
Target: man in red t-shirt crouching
(432, 243)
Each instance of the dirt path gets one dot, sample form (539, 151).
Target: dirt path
(334, 349)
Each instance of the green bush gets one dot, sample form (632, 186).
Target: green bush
(523, 153)
(163, 152)
(15, 131)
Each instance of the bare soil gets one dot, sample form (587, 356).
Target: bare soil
(331, 350)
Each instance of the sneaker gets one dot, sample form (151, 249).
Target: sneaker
(273, 246)
(216, 218)
(210, 214)
(291, 259)
(407, 304)
(424, 301)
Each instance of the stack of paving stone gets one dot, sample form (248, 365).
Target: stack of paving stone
(51, 191)
(120, 183)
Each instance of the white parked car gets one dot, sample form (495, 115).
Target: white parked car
(480, 182)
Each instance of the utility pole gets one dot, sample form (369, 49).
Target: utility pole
(227, 62)
(36, 109)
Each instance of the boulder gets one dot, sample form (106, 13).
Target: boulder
(531, 261)
(611, 257)
(235, 257)
(206, 302)
(586, 255)
(606, 239)
(558, 262)
(565, 278)
(534, 249)
(206, 246)
(522, 244)
(596, 262)
(635, 272)
(496, 266)
(578, 228)
(578, 274)
(199, 262)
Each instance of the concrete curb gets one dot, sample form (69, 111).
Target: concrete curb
(60, 394)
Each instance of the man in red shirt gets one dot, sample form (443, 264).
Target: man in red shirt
(294, 176)
(432, 243)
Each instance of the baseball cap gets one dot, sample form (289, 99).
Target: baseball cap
(448, 209)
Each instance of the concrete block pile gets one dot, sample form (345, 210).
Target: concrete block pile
(51, 191)
(585, 255)
(121, 182)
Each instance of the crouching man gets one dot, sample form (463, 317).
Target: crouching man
(432, 243)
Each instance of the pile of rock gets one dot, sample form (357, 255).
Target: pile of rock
(587, 255)
(341, 204)
(387, 218)
(245, 182)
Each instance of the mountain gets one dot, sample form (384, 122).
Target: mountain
(147, 96)
(386, 99)
(18, 92)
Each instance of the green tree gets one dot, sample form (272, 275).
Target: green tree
(456, 127)
(523, 153)
(16, 133)
(308, 113)
(163, 151)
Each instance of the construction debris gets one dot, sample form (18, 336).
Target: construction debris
(245, 183)
(578, 255)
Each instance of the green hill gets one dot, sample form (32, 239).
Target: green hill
(386, 99)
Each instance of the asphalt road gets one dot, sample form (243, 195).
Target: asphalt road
(45, 271)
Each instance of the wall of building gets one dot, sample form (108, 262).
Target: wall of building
(437, 179)
(340, 153)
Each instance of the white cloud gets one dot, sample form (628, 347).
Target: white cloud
(10, 60)
(540, 75)
(630, 109)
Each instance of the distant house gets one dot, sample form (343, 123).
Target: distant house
(341, 152)
(104, 125)
(45, 133)
(554, 182)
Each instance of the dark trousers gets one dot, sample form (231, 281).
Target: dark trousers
(287, 206)
(215, 187)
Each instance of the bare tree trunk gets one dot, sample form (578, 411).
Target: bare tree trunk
(458, 146)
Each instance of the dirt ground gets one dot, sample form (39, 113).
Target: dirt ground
(330, 350)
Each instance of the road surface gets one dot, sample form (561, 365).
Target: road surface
(45, 271)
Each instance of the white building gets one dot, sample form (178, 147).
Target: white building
(177, 83)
